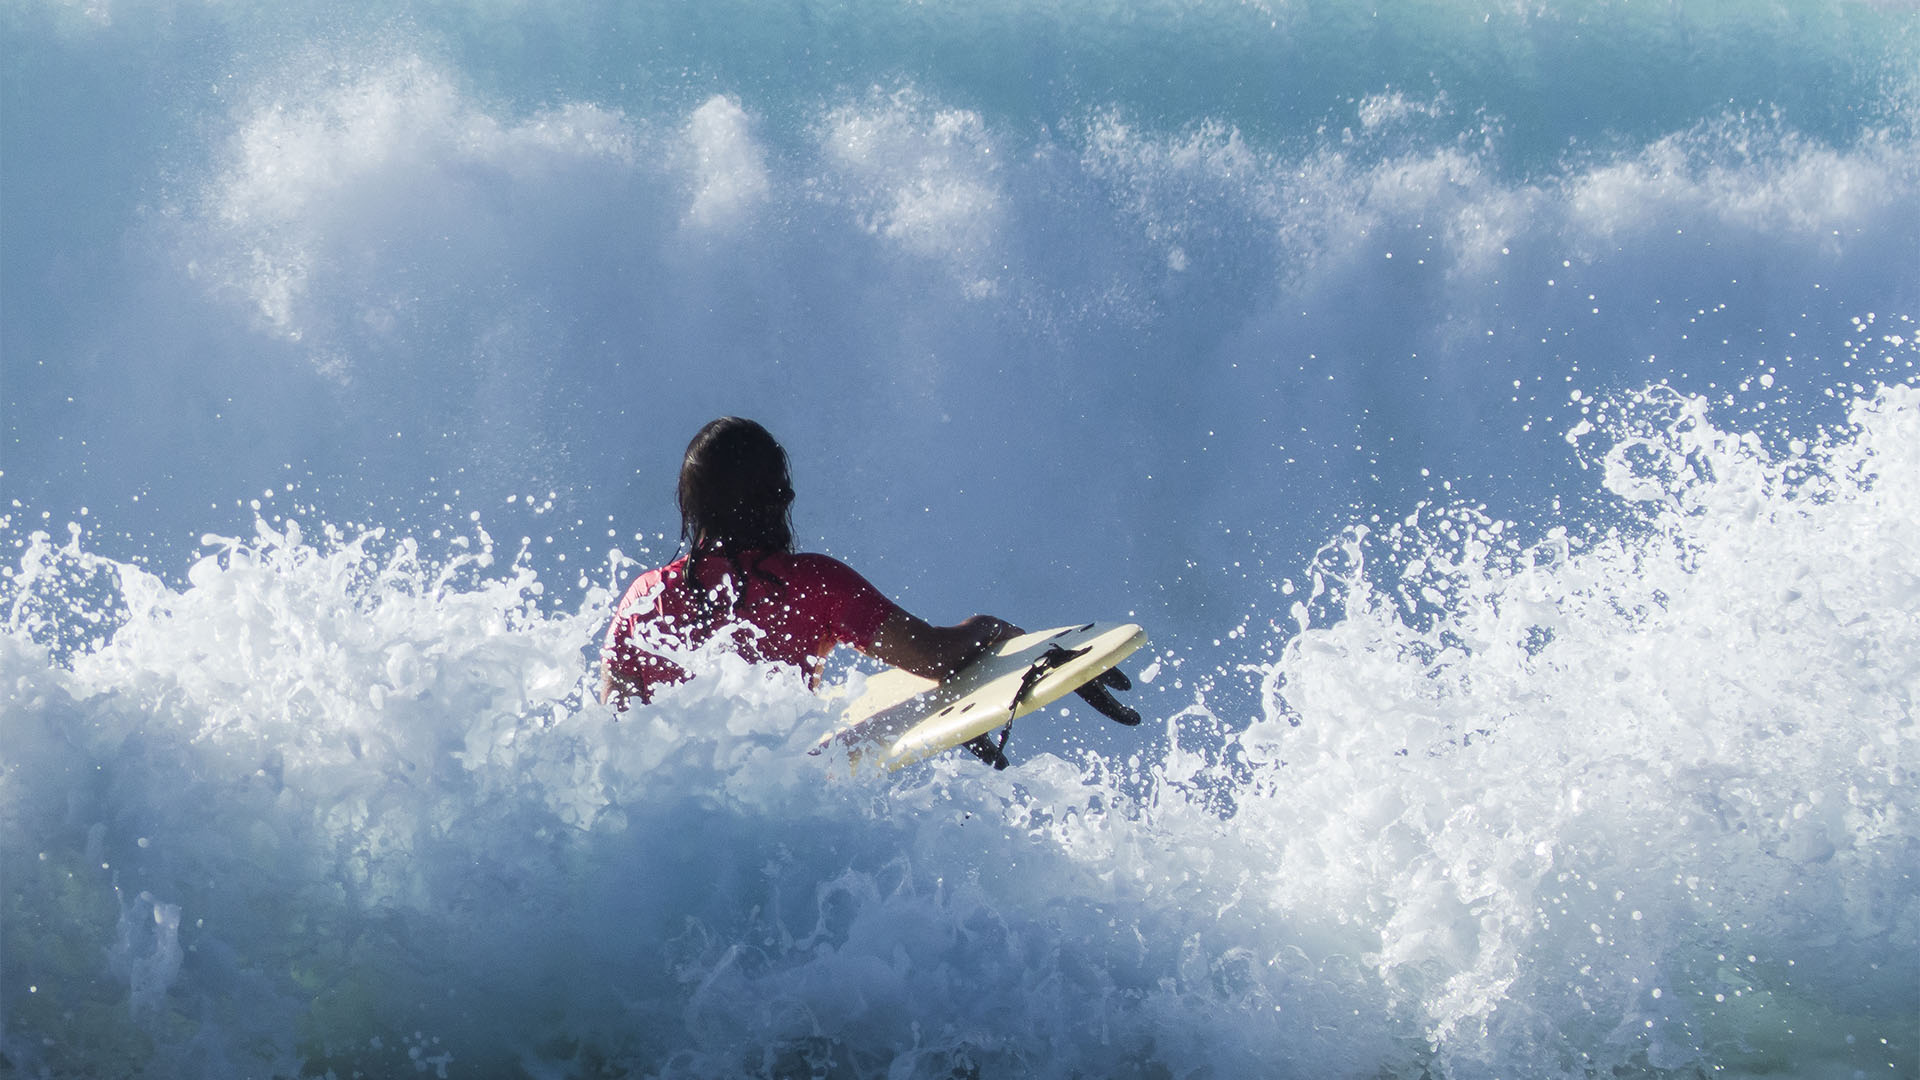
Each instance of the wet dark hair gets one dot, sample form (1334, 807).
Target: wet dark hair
(735, 491)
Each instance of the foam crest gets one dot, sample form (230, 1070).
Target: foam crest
(1629, 798)
(1620, 786)
(1749, 174)
(1384, 195)
(331, 737)
(1215, 183)
(924, 177)
(337, 150)
(730, 169)
(1620, 792)
(1395, 107)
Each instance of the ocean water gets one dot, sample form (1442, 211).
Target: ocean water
(1504, 418)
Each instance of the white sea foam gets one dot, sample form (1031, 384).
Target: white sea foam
(1447, 206)
(1638, 773)
(1395, 106)
(334, 162)
(923, 177)
(1749, 175)
(730, 169)
(1630, 795)
(358, 202)
(1638, 797)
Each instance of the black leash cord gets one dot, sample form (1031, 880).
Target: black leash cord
(1054, 657)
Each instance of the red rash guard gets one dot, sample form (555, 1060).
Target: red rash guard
(793, 610)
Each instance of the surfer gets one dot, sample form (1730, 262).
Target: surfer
(741, 576)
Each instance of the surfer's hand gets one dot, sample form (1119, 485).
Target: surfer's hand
(983, 632)
(937, 651)
(991, 630)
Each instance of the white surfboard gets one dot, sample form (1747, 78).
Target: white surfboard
(902, 717)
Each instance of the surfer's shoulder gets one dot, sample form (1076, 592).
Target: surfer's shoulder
(649, 583)
(813, 568)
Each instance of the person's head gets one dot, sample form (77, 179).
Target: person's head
(735, 490)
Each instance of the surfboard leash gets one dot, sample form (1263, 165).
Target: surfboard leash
(1095, 693)
(995, 753)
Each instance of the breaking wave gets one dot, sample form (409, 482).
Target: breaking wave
(1626, 797)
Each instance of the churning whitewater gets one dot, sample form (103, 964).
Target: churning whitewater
(1517, 808)
(1505, 420)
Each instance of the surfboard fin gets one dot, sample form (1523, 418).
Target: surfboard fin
(986, 750)
(1097, 694)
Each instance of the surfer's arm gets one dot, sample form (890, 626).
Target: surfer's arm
(913, 644)
(614, 688)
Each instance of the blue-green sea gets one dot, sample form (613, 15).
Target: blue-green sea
(1503, 416)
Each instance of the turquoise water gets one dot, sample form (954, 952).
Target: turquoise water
(1502, 417)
